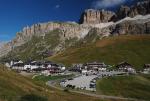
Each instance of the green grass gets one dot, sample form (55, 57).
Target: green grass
(112, 50)
(126, 86)
(48, 78)
(14, 87)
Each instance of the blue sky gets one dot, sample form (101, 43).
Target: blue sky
(16, 14)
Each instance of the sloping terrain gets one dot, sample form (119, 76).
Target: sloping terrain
(39, 47)
(111, 50)
(14, 87)
(127, 86)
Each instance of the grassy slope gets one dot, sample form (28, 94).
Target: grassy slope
(112, 50)
(13, 86)
(131, 86)
(48, 78)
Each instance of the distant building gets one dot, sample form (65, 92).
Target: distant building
(37, 66)
(15, 62)
(146, 69)
(18, 66)
(126, 67)
(95, 66)
(76, 68)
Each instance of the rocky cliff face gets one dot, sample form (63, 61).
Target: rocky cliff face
(136, 25)
(69, 30)
(141, 8)
(5, 48)
(92, 16)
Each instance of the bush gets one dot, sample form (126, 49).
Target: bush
(33, 97)
(66, 90)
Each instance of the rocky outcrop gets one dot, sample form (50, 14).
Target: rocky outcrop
(137, 25)
(92, 16)
(5, 48)
(141, 8)
(69, 30)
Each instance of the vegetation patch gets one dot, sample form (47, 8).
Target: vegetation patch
(112, 50)
(48, 78)
(14, 87)
(136, 86)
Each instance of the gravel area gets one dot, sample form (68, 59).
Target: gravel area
(80, 82)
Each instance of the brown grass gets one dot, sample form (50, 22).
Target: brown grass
(121, 39)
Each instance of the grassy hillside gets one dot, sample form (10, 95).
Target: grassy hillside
(112, 50)
(127, 86)
(14, 87)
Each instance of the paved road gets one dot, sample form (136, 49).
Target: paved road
(52, 84)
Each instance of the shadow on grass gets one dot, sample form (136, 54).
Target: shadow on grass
(33, 97)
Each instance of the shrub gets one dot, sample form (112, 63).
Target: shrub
(33, 97)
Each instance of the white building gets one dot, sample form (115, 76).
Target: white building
(95, 66)
(126, 67)
(17, 65)
(146, 69)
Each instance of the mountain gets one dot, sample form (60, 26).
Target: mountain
(141, 8)
(67, 31)
(92, 16)
(54, 37)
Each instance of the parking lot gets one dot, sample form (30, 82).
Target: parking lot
(87, 82)
(82, 82)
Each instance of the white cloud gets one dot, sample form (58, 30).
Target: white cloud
(98, 4)
(57, 6)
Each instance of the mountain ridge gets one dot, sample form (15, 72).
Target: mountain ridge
(71, 30)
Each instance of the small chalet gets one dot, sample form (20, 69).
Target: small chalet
(125, 67)
(146, 68)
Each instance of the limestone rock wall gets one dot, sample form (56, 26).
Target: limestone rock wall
(141, 8)
(92, 16)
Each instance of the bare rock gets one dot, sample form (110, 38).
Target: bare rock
(92, 16)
